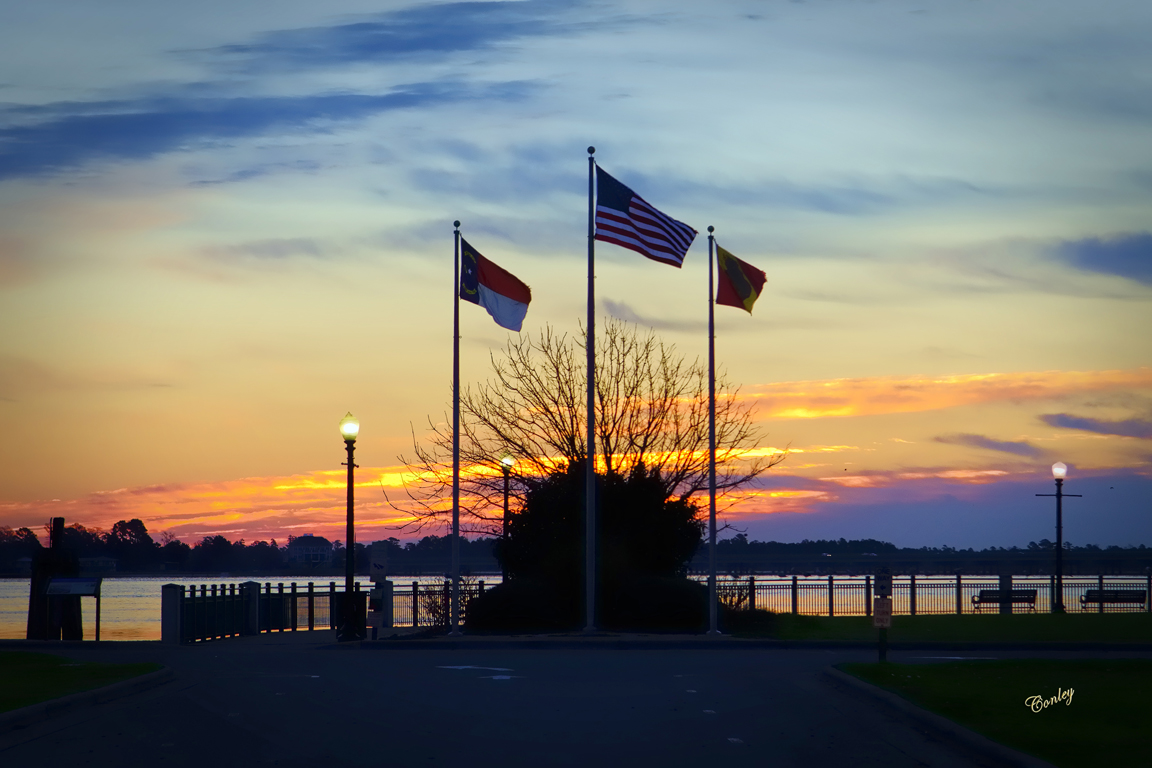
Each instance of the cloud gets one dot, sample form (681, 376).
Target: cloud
(1141, 428)
(432, 30)
(912, 394)
(70, 134)
(1126, 255)
(621, 311)
(980, 441)
(274, 249)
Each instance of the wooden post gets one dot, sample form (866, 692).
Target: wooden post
(171, 613)
(1100, 586)
(1006, 593)
(295, 619)
(959, 593)
(912, 595)
(795, 595)
(751, 593)
(332, 615)
(829, 595)
(280, 606)
(415, 604)
(311, 606)
(867, 595)
(203, 612)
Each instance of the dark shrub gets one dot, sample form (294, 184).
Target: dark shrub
(524, 605)
(655, 603)
(742, 621)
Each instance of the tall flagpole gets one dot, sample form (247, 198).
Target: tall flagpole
(712, 630)
(456, 436)
(590, 463)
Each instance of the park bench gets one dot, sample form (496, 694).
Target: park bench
(1113, 596)
(992, 597)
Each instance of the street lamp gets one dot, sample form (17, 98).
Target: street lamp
(349, 626)
(506, 463)
(1059, 471)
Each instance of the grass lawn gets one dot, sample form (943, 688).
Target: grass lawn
(1104, 723)
(29, 678)
(1021, 627)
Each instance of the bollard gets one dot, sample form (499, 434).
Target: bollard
(795, 595)
(1006, 593)
(751, 593)
(829, 596)
(171, 613)
(959, 593)
(415, 604)
(295, 613)
(311, 607)
(912, 595)
(867, 595)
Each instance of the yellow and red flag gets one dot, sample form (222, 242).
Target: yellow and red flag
(739, 284)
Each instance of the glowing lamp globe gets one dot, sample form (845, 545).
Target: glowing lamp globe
(507, 460)
(349, 428)
(1059, 470)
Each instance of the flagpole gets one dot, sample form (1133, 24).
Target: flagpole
(590, 463)
(456, 436)
(712, 630)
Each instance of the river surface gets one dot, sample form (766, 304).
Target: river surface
(130, 605)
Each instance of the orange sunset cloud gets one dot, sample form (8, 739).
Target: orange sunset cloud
(908, 394)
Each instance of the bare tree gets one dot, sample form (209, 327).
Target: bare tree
(652, 410)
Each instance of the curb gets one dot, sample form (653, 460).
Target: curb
(725, 643)
(941, 725)
(45, 710)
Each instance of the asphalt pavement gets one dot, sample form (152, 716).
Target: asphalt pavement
(299, 699)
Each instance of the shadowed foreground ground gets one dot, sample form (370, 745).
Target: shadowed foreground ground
(286, 700)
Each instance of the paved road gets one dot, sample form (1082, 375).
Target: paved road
(288, 701)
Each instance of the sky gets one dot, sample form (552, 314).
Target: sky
(225, 225)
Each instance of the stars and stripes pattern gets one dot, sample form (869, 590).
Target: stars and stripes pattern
(626, 219)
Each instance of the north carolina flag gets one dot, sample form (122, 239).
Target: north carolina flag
(497, 290)
(739, 283)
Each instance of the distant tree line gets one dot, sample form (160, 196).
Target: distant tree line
(135, 551)
(129, 543)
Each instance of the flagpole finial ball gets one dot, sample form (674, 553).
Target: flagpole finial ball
(591, 150)
(711, 229)
(456, 224)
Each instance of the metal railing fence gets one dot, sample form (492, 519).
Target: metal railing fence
(923, 595)
(228, 611)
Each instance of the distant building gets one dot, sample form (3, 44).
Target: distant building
(309, 550)
(91, 565)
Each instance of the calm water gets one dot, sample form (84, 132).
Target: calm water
(130, 606)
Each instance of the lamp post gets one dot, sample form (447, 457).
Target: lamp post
(349, 627)
(1059, 471)
(506, 462)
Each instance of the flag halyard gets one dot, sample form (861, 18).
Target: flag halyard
(739, 283)
(624, 218)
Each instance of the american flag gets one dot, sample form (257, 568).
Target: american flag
(626, 219)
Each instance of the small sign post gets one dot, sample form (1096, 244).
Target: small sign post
(80, 588)
(379, 567)
(882, 619)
